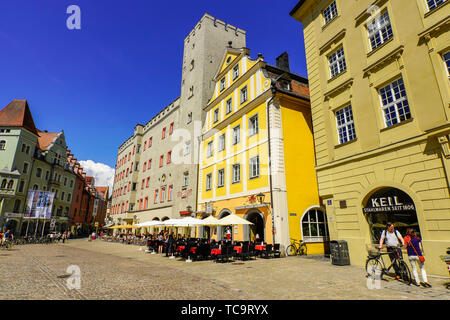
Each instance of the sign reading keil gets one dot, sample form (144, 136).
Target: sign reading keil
(389, 200)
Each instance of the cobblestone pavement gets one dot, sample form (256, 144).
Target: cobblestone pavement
(118, 271)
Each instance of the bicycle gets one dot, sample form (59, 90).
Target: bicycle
(297, 247)
(375, 266)
(6, 244)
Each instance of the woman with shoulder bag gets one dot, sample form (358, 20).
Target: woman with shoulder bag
(414, 247)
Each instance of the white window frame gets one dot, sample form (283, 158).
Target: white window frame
(254, 167)
(446, 63)
(222, 84)
(186, 179)
(330, 13)
(336, 61)
(347, 126)
(2, 144)
(208, 181)
(244, 95)
(394, 103)
(318, 237)
(229, 106)
(253, 127)
(436, 5)
(379, 27)
(220, 178)
(221, 142)
(210, 149)
(236, 137)
(216, 115)
(236, 72)
(236, 178)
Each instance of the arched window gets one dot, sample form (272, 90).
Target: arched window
(2, 144)
(314, 226)
(3, 184)
(16, 206)
(10, 184)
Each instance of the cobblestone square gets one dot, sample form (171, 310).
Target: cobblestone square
(111, 271)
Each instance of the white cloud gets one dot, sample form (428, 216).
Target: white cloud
(103, 174)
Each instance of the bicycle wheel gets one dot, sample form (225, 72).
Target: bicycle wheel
(405, 274)
(291, 250)
(303, 251)
(374, 267)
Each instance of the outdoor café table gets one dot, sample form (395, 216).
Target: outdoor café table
(215, 251)
(238, 249)
(260, 247)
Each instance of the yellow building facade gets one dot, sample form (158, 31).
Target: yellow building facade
(258, 112)
(379, 86)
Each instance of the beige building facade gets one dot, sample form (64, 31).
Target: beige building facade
(379, 86)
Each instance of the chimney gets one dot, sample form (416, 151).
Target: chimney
(283, 62)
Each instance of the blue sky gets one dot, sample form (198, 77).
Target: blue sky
(124, 65)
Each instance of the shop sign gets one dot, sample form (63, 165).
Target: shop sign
(389, 201)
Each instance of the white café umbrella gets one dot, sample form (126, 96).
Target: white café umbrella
(210, 221)
(232, 220)
(189, 221)
(149, 224)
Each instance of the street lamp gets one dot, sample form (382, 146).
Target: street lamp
(261, 197)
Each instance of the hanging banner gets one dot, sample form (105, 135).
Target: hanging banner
(39, 204)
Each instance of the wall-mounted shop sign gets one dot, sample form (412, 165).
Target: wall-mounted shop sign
(389, 200)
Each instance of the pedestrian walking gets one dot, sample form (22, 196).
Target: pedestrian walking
(64, 236)
(415, 255)
(394, 241)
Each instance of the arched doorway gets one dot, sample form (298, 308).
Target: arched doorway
(12, 225)
(256, 231)
(221, 230)
(390, 205)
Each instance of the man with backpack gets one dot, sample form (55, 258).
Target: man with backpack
(394, 241)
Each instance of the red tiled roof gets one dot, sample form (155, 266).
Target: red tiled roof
(45, 139)
(18, 114)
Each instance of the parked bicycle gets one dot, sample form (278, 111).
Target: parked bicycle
(375, 266)
(297, 247)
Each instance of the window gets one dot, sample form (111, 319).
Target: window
(220, 178)
(161, 160)
(394, 103)
(25, 168)
(144, 167)
(433, 4)
(62, 194)
(16, 206)
(229, 106)
(236, 176)
(147, 184)
(169, 157)
(10, 184)
(209, 149)
(236, 135)
(136, 167)
(244, 95)
(337, 62)
(221, 142)
(345, 125)
(35, 187)
(38, 172)
(208, 181)
(163, 135)
(163, 194)
(222, 84)
(156, 196)
(330, 12)
(150, 140)
(68, 197)
(145, 145)
(169, 193)
(216, 115)
(445, 56)
(171, 128)
(314, 226)
(142, 184)
(236, 72)
(189, 117)
(149, 166)
(380, 31)
(146, 203)
(186, 179)
(2, 145)
(24, 147)
(137, 151)
(254, 167)
(253, 125)
(3, 186)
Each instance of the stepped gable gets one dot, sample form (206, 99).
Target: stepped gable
(17, 114)
(46, 139)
